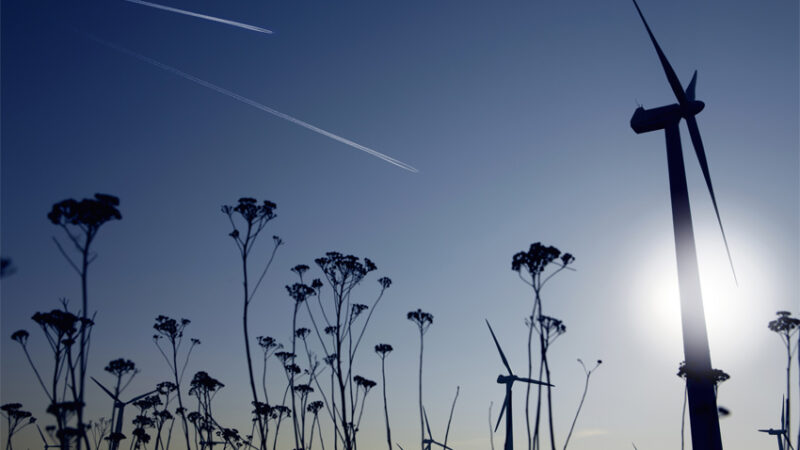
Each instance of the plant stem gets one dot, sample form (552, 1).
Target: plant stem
(385, 404)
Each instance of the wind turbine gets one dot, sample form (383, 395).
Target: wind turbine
(119, 405)
(779, 433)
(428, 442)
(699, 382)
(508, 380)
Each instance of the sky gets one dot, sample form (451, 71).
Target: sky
(515, 115)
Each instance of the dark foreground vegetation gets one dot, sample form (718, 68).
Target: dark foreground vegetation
(311, 397)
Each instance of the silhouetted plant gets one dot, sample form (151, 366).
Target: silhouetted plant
(99, 431)
(588, 373)
(81, 221)
(342, 273)
(121, 369)
(204, 388)
(171, 330)
(144, 420)
(254, 217)
(450, 418)
(162, 416)
(62, 329)
(785, 326)
(278, 413)
(314, 408)
(382, 350)
(536, 262)
(423, 321)
(16, 420)
(299, 293)
(269, 346)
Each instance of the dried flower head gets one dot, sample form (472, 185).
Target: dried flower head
(300, 292)
(120, 367)
(89, 214)
(383, 349)
(536, 259)
(421, 318)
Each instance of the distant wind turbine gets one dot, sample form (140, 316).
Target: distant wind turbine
(119, 405)
(202, 16)
(779, 433)
(252, 103)
(699, 381)
(430, 441)
(508, 380)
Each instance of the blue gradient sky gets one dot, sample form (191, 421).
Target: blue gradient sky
(517, 116)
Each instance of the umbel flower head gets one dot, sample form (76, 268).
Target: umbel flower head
(784, 324)
(251, 211)
(170, 328)
(538, 256)
(300, 292)
(383, 349)
(348, 270)
(204, 383)
(120, 367)
(421, 318)
(365, 383)
(87, 213)
(315, 406)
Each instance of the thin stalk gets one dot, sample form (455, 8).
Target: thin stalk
(450, 419)
(385, 404)
(421, 412)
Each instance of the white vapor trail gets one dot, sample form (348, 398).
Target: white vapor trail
(202, 16)
(254, 104)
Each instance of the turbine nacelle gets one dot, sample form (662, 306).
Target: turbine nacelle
(646, 120)
(508, 379)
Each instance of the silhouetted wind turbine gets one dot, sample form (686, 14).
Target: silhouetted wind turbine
(119, 405)
(699, 382)
(427, 442)
(779, 433)
(508, 380)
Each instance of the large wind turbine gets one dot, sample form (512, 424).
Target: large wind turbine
(699, 382)
(508, 380)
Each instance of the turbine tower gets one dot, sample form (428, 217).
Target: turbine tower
(508, 380)
(699, 381)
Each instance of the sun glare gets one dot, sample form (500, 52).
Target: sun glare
(728, 308)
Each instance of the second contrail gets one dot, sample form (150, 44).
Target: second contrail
(253, 103)
(201, 16)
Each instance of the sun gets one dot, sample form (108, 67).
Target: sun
(728, 307)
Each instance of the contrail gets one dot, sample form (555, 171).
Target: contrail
(202, 16)
(253, 103)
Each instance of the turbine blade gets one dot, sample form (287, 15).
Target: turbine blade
(104, 388)
(690, 88)
(697, 142)
(530, 380)
(783, 407)
(141, 396)
(427, 425)
(672, 78)
(502, 355)
(502, 410)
